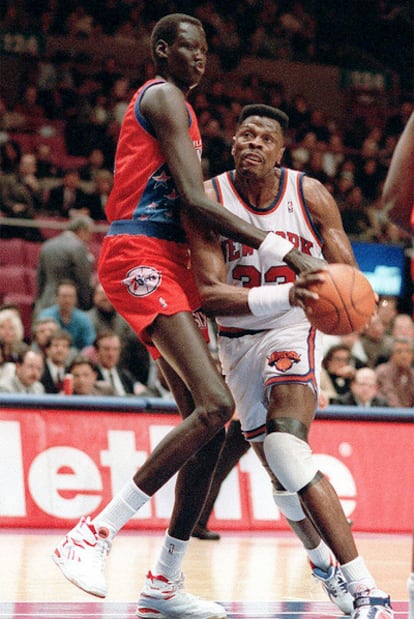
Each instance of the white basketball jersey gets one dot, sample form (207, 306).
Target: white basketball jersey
(288, 216)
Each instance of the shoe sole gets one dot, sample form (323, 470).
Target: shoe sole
(99, 593)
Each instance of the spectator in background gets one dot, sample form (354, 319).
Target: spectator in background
(42, 329)
(402, 326)
(372, 338)
(46, 167)
(21, 196)
(95, 164)
(66, 257)
(396, 376)
(68, 199)
(108, 352)
(85, 378)
(363, 390)
(387, 311)
(28, 370)
(99, 197)
(11, 333)
(353, 342)
(58, 351)
(69, 317)
(337, 371)
(134, 356)
(355, 216)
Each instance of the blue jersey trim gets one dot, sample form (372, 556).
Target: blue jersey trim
(157, 230)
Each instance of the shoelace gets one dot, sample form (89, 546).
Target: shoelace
(101, 551)
(337, 586)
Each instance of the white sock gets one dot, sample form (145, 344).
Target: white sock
(123, 506)
(320, 556)
(357, 575)
(171, 558)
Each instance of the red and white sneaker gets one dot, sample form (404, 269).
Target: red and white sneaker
(335, 585)
(164, 599)
(81, 557)
(372, 604)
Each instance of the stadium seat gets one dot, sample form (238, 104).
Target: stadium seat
(12, 252)
(14, 279)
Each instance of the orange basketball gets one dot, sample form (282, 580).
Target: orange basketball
(346, 301)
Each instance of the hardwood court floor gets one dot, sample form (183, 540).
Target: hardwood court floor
(254, 575)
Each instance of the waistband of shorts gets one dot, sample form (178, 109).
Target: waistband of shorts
(156, 229)
(235, 332)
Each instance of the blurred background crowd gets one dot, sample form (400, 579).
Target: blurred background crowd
(69, 71)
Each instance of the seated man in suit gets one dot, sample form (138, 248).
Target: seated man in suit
(58, 352)
(29, 368)
(68, 199)
(108, 351)
(363, 390)
(85, 378)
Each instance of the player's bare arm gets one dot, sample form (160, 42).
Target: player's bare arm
(327, 219)
(164, 106)
(398, 192)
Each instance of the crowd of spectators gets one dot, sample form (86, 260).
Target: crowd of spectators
(65, 94)
(385, 348)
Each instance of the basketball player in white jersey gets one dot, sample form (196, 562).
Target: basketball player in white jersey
(270, 354)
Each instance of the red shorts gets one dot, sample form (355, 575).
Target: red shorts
(144, 277)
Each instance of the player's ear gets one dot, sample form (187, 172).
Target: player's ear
(233, 145)
(161, 48)
(280, 155)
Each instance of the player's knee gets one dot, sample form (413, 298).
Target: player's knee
(290, 457)
(221, 409)
(216, 412)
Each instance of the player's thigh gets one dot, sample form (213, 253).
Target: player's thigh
(181, 344)
(243, 368)
(291, 400)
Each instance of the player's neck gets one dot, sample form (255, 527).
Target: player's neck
(259, 192)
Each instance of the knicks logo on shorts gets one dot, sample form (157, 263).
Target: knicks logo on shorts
(142, 281)
(283, 360)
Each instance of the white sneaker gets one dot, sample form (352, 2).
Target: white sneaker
(335, 585)
(372, 604)
(81, 557)
(164, 599)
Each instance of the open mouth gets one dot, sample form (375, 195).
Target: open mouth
(252, 158)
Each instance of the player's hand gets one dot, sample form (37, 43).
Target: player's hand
(300, 262)
(300, 291)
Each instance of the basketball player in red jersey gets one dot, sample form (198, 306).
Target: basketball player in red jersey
(144, 269)
(276, 352)
(398, 201)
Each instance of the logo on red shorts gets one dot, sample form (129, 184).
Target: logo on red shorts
(283, 360)
(142, 281)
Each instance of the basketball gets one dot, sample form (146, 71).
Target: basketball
(346, 301)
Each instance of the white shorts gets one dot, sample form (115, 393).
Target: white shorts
(254, 363)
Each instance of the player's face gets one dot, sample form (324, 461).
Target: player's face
(257, 146)
(187, 56)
